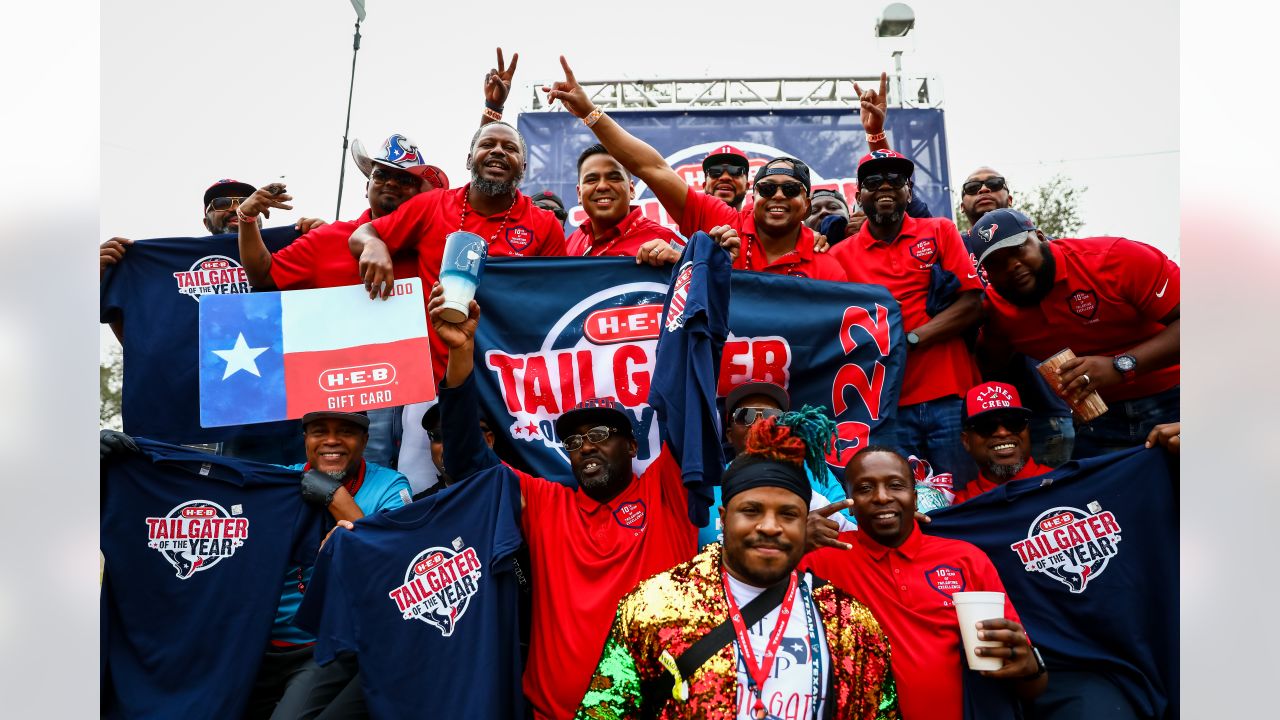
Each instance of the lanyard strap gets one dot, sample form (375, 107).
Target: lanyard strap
(759, 673)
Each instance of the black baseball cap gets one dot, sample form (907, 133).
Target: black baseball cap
(798, 170)
(747, 389)
(594, 412)
(359, 418)
(227, 187)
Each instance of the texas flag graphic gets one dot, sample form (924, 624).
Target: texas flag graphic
(280, 355)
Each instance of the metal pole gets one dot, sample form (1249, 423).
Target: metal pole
(342, 171)
(897, 78)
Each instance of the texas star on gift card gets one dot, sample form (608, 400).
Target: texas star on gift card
(279, 355)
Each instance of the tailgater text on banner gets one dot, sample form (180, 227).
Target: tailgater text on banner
(557, 331)
(271, 356)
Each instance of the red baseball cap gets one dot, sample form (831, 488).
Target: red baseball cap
(726, 154)
(992, 397)
(884, 160)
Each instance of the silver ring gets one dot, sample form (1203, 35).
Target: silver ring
(1086, 379)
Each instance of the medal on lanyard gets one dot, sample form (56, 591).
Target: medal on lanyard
(759, 673)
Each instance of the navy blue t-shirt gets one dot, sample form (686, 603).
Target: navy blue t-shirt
(695, 323)
(155, 290)
(195, 547)
(425, 596)
(1089, 555)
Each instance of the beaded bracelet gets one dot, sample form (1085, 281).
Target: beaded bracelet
(593, 117)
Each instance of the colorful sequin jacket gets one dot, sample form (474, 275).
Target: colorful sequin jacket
(673, 610)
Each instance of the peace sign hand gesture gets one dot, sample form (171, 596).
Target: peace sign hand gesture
(497, 82)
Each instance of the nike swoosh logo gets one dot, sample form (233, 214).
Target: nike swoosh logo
(973, 275)
(1163, 288)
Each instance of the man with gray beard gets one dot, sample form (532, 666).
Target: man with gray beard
(997, 437)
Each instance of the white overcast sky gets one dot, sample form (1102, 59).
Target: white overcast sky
(253, 90)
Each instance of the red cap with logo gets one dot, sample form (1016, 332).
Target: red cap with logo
(726, 154)
(992, 397)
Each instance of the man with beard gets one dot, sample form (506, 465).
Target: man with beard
(1113, 302)
(336, 476)
(724, 175)
(737, 631)
(998, 437)
(772, 233)
(591, 544)
(907, 578)
(1052, 434)
(911, 257)
(614, 226)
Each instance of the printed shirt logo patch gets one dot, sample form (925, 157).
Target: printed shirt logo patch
(679, 296)
(519, 238)
(196, 535)
(212, 275)
(1084, 303)
(631, 515)
(924, 250)
(438, 586)
(1070, 545)
(946, 579)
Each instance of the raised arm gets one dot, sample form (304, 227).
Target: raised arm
(254, 254)
(375, 261)
(635, 155)
(874, 107)
(497, 86)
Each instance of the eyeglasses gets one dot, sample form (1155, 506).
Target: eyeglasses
(747, 416)
(403, 179)
(871, 182)
(224, 203)
(716, 171)
(987, 425)
(790, 189)
(595, 435)
(995, 183)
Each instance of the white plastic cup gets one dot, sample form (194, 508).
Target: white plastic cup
(971, 609)
(460, 269)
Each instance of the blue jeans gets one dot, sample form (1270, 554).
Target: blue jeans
(1052, 438)
(931, 430)
(1126, 423)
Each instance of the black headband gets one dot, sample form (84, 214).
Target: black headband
(765, 473)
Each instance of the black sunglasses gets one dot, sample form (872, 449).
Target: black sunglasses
(995, 183)
(224, 203)
(987, 425)
(716, 171)
(871, 182)
(401, 178)
(790, 189)
(747, 416)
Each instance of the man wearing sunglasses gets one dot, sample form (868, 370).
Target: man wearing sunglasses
(615, 227)
(745, 405)
(1052, 433)
(772, 234)
(724, 175)
(911, 257)
(997, 436)
(1112, 301)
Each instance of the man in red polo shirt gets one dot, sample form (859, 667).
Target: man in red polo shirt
(1114, 302)
(912, 257)
(907, 578)
(997, 435)
(773, 234)
(589, 546)
(613, 225)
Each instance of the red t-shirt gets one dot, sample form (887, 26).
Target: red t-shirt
(981, 484)
(585, 557)
(321, 259)
(703, 212)
(903, 267)
(908, 589)
(1108, 296)
(623, 239)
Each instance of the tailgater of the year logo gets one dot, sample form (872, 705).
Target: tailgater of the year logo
(197, 535)
(438, 586)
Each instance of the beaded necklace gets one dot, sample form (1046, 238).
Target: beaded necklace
(466, 208)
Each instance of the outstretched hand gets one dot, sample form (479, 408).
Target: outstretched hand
(454, 335)
(874, 106)
(821, 531)
(569, 93)
(264, 199)
(497, 82)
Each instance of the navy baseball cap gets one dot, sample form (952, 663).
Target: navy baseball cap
(798, 170)
(359, 418)
(594, 412)
(1000, 229)
(227, 187)
(884, 161)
